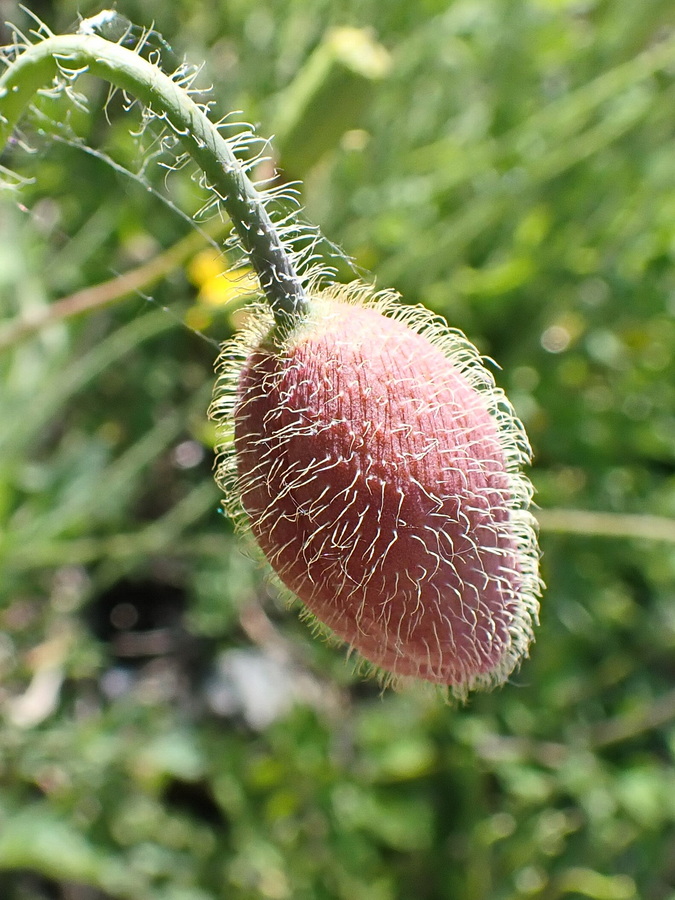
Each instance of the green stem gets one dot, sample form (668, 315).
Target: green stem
(634, 526)
(108, 292)
(41, 63)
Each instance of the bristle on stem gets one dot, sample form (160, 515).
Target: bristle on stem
(63, 58)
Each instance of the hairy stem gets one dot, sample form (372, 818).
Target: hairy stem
(42, 62)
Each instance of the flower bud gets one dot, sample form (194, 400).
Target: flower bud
(379, 469)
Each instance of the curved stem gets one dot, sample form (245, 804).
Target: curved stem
(37, 67)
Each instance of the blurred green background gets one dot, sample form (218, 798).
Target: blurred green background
(170, 731)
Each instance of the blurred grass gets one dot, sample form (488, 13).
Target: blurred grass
(168, 729)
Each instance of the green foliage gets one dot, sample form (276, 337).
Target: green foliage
(169, 729)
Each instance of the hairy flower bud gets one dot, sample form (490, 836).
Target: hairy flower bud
(379, 469)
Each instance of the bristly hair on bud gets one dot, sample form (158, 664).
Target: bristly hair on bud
(379, 469)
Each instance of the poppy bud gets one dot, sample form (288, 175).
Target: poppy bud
(379, 469)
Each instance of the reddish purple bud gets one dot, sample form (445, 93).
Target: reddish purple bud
(379, 469)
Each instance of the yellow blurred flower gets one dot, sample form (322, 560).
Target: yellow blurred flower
(219, 285)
